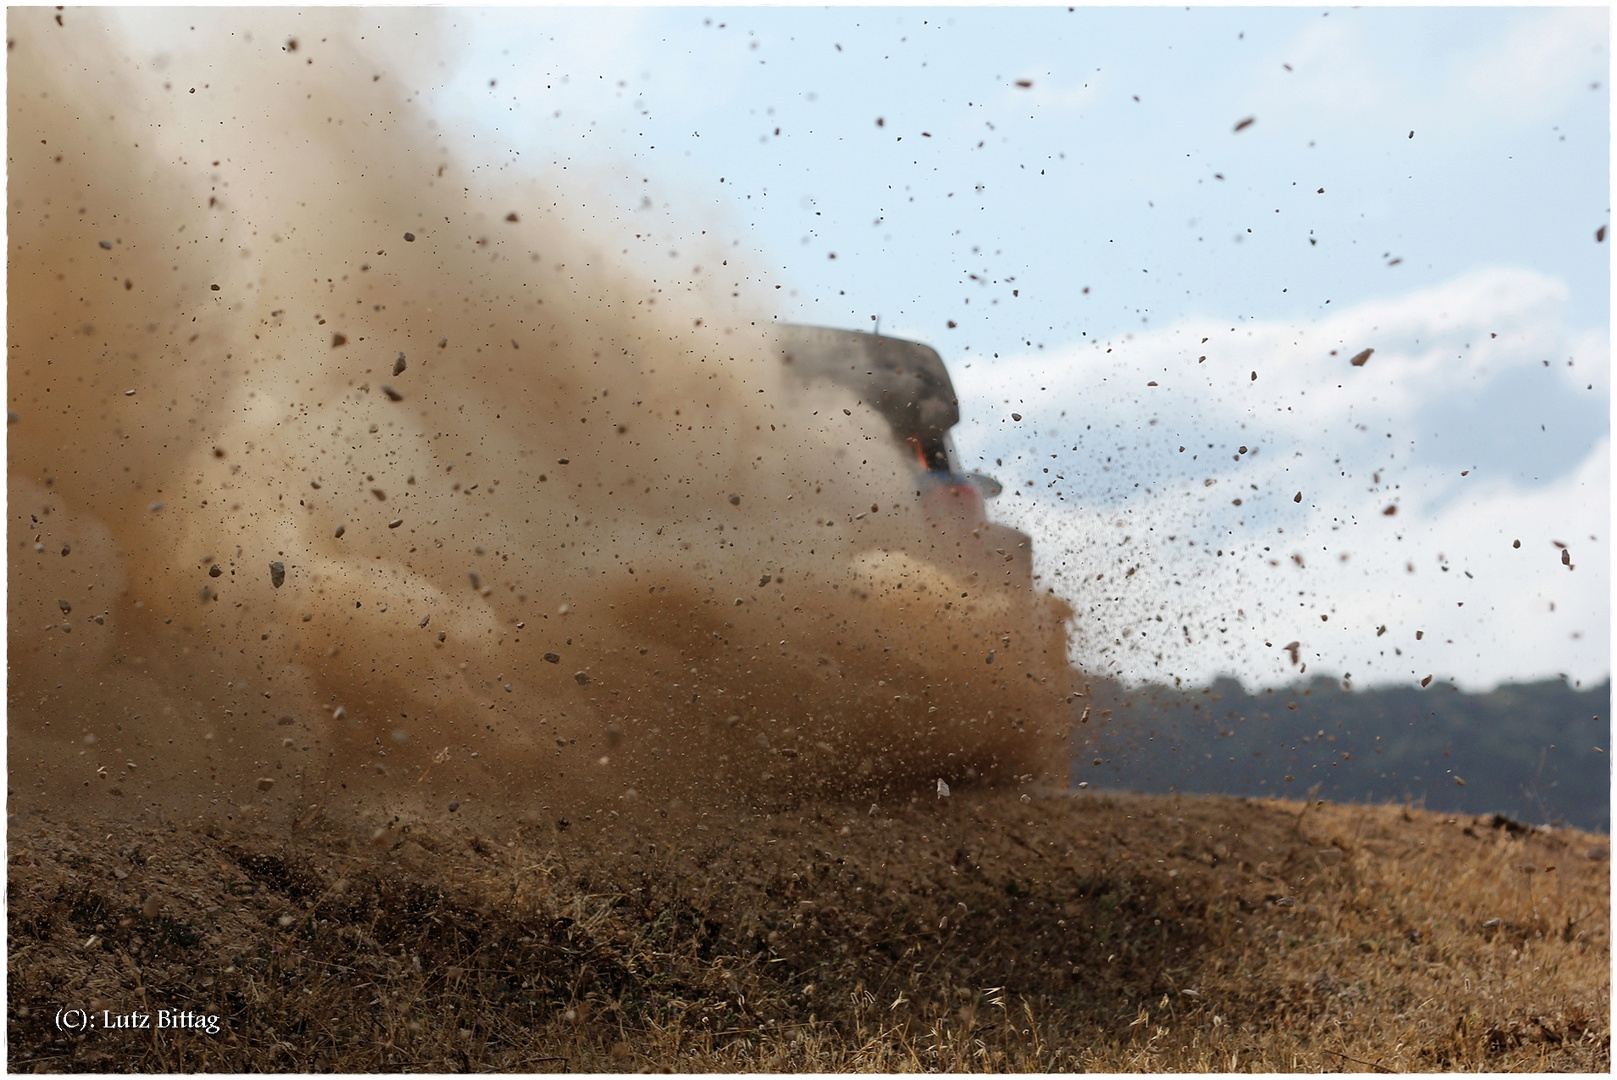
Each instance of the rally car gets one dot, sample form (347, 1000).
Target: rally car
(906, 382)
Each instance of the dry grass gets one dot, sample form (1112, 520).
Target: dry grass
(981, 932)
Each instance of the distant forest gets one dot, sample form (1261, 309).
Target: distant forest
(1536, 752)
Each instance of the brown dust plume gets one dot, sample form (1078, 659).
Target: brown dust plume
(342, 478)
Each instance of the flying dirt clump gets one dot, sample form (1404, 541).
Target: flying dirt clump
(386, 485)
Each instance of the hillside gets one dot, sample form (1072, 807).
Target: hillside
(987, 930)
(1534, 751)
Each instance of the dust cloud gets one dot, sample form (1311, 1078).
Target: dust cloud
(345, 478)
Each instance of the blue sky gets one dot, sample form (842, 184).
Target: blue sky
(1111, 203)
(1072, 182)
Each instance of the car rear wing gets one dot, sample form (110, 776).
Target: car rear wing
(905, 381)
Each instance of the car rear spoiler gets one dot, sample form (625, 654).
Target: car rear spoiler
(905, 381)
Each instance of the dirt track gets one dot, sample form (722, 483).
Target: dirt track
(987, 930)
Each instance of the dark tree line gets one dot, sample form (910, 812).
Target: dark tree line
(1527, 750)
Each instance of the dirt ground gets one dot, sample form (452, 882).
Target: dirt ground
(1002, 930)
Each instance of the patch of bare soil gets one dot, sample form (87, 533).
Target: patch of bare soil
(1002, 930)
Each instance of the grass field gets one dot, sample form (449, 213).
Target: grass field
(985, 931)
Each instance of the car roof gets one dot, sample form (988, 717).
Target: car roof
(903, 380)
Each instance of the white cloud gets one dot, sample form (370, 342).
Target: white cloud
(1460, 70)
(1544, 59)
(1468, 435)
